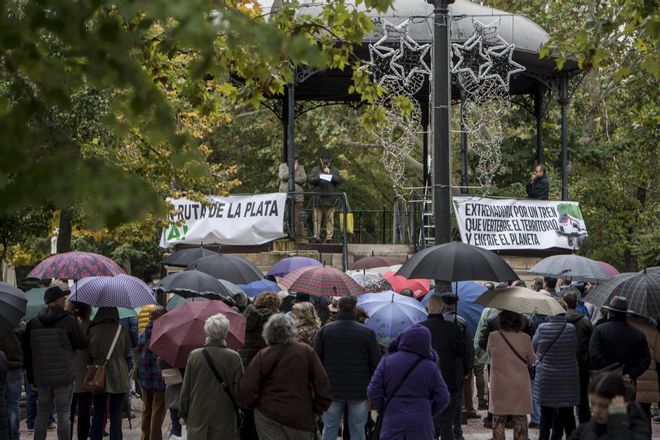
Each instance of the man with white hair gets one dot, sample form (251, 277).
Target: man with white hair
(210, 385)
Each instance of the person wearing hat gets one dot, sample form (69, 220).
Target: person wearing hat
(299, 179)
(324, 178)
(49, 347)
(614, 341)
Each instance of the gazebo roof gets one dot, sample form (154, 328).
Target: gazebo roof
(527, 36)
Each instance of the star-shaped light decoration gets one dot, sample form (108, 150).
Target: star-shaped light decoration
(408, 63)
(379, 63)
(471, 59)
(503, 66)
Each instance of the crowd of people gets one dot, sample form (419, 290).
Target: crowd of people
(312, 370)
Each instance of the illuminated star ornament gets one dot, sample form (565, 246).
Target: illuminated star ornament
(483, 57)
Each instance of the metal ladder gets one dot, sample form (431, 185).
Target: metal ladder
(428, 225)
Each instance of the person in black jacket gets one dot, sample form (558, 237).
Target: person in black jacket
(538, 187)
(583, 329)
(10, 345)
(350, 354)
(49, 345)
(450, 344)
(324, 178)
(616, 342)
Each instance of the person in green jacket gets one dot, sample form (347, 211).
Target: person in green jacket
(100, 336)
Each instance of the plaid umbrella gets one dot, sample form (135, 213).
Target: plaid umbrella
(74, 266)
(571, 267)
(180, 331)
(370, 281)
(321, 281)
(286, 265)
(641, 289)
(120, 291)
(12, 307)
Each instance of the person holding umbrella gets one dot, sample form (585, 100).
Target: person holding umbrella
(209, 393)
(105, 332)
(82, 399)
(49, 345)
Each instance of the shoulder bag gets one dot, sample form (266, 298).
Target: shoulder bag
(531, 369)
(225, 388)
(375, 435)
(95, 373)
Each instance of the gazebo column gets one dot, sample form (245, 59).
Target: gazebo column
(538, 113)
(464, 149)
(289, 121)
(563, 102)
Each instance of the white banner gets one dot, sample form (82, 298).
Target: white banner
(498, 224)
(233, 220)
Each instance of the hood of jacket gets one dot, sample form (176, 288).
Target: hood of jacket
(573, 316)
(415, 339)
(50, 315)
(255, 318)
(106, 314)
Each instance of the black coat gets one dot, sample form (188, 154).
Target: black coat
(631, 426)
(49, 346)
(255, 319)
(615, 341)
(323, 186)
(583, 330)
(4, 414)
(350, 354)
(451, 347)
(539, 189)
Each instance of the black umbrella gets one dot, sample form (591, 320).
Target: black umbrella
(227, 267)
(184, 257)
(192, 283)
(12, 307)
(457, 261)
(641, 289)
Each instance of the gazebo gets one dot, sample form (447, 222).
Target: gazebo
(541, 78)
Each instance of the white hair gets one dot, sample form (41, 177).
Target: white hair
(279, 329)
(216, 327)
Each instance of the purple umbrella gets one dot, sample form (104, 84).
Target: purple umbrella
(286, 265)
(74, 266)
(120, 291)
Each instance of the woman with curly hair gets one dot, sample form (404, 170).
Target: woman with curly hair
(307, 322)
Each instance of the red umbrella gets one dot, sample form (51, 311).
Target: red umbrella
(371, 262)
(74, 266)
(611, 270)
(180, 331)
(321, 281)
(419, 286)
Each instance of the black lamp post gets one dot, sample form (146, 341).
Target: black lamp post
(441, 90)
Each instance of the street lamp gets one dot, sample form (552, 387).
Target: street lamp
(441, 90)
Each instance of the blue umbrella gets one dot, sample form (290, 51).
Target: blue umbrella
(467, 292)
(35, 302)
(256, 288)
(390, 313)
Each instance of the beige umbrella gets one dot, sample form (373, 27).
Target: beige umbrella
(521, 300)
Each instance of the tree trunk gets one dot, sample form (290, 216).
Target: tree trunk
(64, 235)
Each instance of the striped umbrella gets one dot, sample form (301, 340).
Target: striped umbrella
(120, 291)
(74, 266)
(321, 281)
(641, 289)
